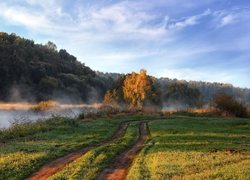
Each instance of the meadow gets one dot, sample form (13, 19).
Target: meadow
(178, 147)
(195, 148)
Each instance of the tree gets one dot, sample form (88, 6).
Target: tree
(181, 95)
(50, 45)
(136, 88)
(48, 84)
(46, 72)
(110, 97)
(154, 98)
(228, 104)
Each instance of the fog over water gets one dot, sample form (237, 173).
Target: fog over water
(8, 116)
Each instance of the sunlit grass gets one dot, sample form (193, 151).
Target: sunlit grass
(44, 141)
(173, 164)
(88, 166)
(195, 148)
(15, 165)
(51, 144)
(179, 147)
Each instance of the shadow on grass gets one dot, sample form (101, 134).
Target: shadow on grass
(200, 134)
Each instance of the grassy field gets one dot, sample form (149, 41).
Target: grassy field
(25, 148)
(179, 147)
(97, 159)
(195, 148)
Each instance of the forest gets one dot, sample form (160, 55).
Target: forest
(36, 72)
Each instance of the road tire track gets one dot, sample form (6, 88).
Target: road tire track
(56, 165)
(119, 167)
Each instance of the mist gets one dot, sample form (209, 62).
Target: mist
(175, 106)
(20, 104)
(21, 112)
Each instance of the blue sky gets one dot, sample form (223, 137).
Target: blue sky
(206, 40)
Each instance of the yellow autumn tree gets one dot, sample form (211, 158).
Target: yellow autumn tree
(110, 98)
(136, 88)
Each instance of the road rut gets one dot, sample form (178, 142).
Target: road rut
(119, 167)
(56, 165)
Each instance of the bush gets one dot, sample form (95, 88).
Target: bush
(110, 109)
(81, 116)
(228, 104)
(150, 110)
(46, 106)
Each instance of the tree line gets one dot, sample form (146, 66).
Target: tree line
(36, 72)
(139, 90)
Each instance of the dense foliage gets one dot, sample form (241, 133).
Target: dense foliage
(36, 72)
(39, 72)
(181, 95)
(228, 104)
(135, 89)
(208, 90)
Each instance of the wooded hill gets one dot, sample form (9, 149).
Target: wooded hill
(35, 72)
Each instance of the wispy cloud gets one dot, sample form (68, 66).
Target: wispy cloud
(188, 21)
(112, 20)
(124, 35)
(47, 19)
(232, 16)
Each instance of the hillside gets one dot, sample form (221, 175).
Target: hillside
(35, 72)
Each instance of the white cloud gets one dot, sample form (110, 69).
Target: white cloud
(117, 20)
(228, 19)
(27, 19)
(46, 21)
(188, 21)
(122, 19)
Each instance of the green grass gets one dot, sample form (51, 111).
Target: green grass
(179, 147)
(19, 130)
(195, 148)
(88, 166)
(25, 148)
(18, 159)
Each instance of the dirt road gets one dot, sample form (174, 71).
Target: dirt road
(119, 167)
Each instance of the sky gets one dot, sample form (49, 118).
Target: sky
(206, 40)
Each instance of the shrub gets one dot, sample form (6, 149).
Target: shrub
(150, 110)
(81, 116)
(46, 106)
(228, 104)
(110, 109)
